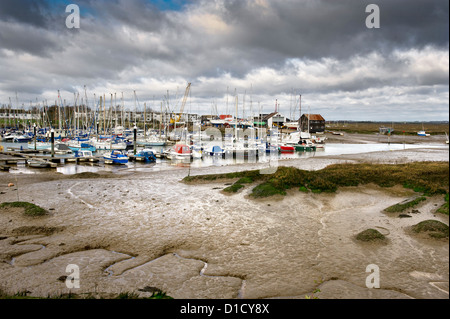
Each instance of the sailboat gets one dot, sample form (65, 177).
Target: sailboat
(423, 133)
(304, 139)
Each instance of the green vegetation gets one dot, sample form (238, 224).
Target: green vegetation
(400, 207)
(238, 185)
(245, 180)
(429, 178)
(233, 188)
(266, 190)
(29, 208)
(369, 235)
(303, 189)
(312, 296)
(434, 228)
(253, 175)
(444, 208)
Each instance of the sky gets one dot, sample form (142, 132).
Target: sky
(317, 55)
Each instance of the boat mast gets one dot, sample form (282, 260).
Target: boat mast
(145, 118)
(160, 122)
(104, 113)
(243, 105)
(251, 104)
(309, 115)
(9, 113)
(227, 102)
(85, 107)
(17, 107)
(235, 127)
(75, 113)
(300, 108)
(115, 111)
(59, 113)
(111, 115)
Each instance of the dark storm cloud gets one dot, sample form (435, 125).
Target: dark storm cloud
(139, 14)
(315, 29)
(32, 27)
(317, 47)
(25, 11)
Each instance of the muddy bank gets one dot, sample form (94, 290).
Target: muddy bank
(192, 241)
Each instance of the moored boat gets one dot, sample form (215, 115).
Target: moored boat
(145, 155)
(423, 133)
(305, 147)
(38, 163)
(179, 151)
(116, 157)
(286, 148)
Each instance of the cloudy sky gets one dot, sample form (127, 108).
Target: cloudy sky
(261, 51)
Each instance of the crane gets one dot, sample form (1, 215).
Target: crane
(183, 103)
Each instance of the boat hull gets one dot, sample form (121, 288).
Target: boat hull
(305, 148)
(287, 149)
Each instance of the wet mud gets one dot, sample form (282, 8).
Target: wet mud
(147, 229)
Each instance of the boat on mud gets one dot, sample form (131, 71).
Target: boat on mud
(214, 150)
(145, 155)
(85, 156)
(179, 151)
(115, 157)
(38, 163)
(423, 133)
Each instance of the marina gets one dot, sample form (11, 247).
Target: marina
(65, 163)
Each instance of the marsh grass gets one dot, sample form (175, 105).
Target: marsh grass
(434, 228)
(400, 207)
(429, 178)
(370, 235)
(266, 190)
(444, 208)
(233, 188)
(29, 208)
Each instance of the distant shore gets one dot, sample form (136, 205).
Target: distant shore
(359, 138)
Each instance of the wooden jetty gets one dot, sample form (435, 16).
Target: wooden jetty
(38, 159)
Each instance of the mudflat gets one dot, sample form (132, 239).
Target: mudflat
(135, 230)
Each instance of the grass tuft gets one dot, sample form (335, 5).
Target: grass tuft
(444, 208)
(233, 188)
(30, 209)
(400, 207)
(266, 190)
(434, 228)
(369, 235)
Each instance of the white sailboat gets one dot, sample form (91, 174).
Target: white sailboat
(423, 132)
